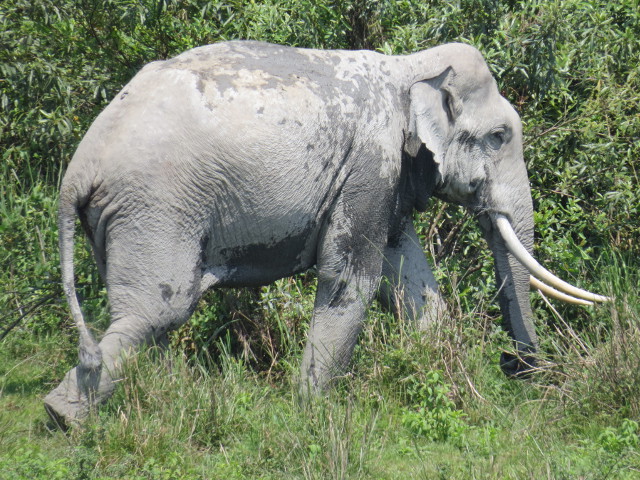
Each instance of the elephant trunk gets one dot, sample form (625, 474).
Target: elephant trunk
(512, 279)
(511, 240)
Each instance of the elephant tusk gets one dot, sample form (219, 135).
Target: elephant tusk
(552, 292)
(517, 250)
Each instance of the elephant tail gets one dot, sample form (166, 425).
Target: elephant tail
(89, 352)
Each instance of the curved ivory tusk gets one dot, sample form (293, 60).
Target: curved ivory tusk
(552, 292)
(517, 250)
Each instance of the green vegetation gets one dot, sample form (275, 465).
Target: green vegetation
(223, 403)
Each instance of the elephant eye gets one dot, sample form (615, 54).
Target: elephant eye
(497, 137)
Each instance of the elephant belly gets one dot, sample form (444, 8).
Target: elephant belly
(259, 263)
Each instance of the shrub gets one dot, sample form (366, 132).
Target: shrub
(432, 413)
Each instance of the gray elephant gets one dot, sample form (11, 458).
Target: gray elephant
(239, 163)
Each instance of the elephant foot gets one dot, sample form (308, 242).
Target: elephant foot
(65, 404)
(57, 417)
(70, 403)
(517, 366)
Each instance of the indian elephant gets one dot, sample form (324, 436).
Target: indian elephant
(239, 163)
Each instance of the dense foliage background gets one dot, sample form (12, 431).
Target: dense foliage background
(571, 68)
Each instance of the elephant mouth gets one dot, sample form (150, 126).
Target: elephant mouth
(541, 278)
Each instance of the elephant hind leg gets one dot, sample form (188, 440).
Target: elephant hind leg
(151, 291)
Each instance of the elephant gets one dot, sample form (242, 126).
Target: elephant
(242, 162)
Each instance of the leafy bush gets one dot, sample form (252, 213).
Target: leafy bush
(30, 463)
(433, 414)
(625, 437)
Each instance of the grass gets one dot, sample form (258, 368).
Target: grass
(180, 415)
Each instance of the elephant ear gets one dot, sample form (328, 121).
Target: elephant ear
(434, 107)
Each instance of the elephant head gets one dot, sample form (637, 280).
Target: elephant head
(475, 138)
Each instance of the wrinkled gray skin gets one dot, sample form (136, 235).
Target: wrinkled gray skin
(239, 163)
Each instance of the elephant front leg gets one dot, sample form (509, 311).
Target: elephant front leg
(408, 286)
(349, 266)
(332, 337)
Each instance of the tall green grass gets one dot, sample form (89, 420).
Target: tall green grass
(415, 405)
